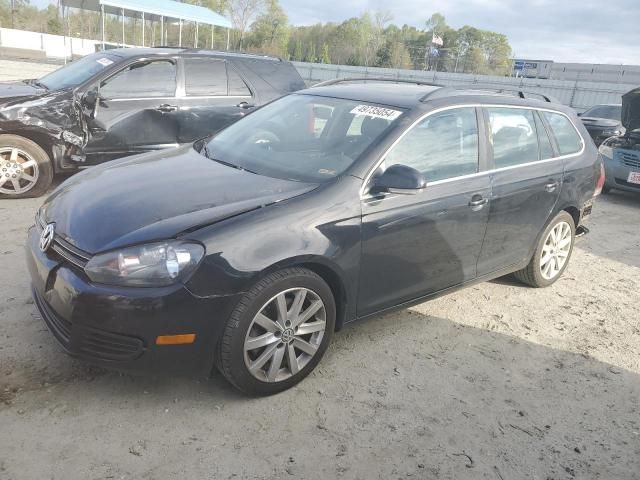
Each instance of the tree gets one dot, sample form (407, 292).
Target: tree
(243, 13)
(325, 54)
(270, 31)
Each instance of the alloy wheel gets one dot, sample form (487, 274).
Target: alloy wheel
(555, 251)
(285, 335)
(18, 171)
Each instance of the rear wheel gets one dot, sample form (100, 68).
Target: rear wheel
(278, 332)
(25, 168)
(552, 253)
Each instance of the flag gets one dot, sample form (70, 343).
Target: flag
(437, 40)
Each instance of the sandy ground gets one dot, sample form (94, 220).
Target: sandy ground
(498, 381)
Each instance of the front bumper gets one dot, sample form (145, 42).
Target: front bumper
(617, 174)
(116, 327)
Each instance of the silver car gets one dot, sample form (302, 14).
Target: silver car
(621, 154)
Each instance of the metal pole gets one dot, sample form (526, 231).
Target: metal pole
(180, 36)
(161, 31)
(195, 41)
(102, 22)
(228, 32)
(143, 29)
(122, 11)
(212, 30)
(64, 16)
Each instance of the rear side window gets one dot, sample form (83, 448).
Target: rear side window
(237, 87)
(142, 80)
(443, 145)
(204, 76)
(513, 136)
(565, 133)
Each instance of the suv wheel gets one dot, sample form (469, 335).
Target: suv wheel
(278, 332)
(552, 253)
(25, 168)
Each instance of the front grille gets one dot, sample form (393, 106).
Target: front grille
(64, 249)
(60, 327)
(87, 341)
(110, 346)
(629, 158)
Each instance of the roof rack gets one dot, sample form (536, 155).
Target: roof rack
(375, 79)
(492, 89)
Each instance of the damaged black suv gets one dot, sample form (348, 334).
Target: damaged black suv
(113, 104)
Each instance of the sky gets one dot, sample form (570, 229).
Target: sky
(585, 31)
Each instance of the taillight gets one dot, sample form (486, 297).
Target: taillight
(600, 182)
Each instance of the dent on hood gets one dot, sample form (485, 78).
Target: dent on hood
(58, 119)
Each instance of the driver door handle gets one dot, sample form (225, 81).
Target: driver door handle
(245, 105)
(165, 107)
(551, 187)
(477, 202)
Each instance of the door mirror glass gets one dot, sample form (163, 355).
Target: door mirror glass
(400, 179)
(90, 98)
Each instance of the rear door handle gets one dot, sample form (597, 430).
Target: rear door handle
(551, 187)
(165, 107)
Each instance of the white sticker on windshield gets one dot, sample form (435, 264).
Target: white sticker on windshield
(105, 62)
(376, 112)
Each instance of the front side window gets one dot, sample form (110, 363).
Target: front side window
(443, 145)
(513, 136)
(142, 80)
(565, 133)
(302, 137)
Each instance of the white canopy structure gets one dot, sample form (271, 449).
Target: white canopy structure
(154, 10)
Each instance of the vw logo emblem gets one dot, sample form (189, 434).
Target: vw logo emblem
(46, 239)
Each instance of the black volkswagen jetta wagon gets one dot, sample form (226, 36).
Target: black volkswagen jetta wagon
(248, 250)
(126, 101)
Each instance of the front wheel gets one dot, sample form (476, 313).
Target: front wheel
(278, 332)
(25, 168)
(552, 253)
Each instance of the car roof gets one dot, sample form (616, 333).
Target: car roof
(408, 95)
(139, 52)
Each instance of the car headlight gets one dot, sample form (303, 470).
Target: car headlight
(606, 151)
(152, 265)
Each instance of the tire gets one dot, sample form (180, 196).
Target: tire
(606, 190)
(535, 274)
(251, 368)
(32, 181)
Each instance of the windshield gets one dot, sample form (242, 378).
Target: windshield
(612, 112)
(77, 72)
(302, 137)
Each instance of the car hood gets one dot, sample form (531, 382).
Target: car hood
(156, 196)
(12, 90)
(599, 122)
(631, 109)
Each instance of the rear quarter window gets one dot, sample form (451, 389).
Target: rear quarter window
(566, 135)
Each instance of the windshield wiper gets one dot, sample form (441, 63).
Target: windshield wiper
(205, 151)
(38, 83)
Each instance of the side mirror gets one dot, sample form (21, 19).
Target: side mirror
(90, 99)
(400, 179)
